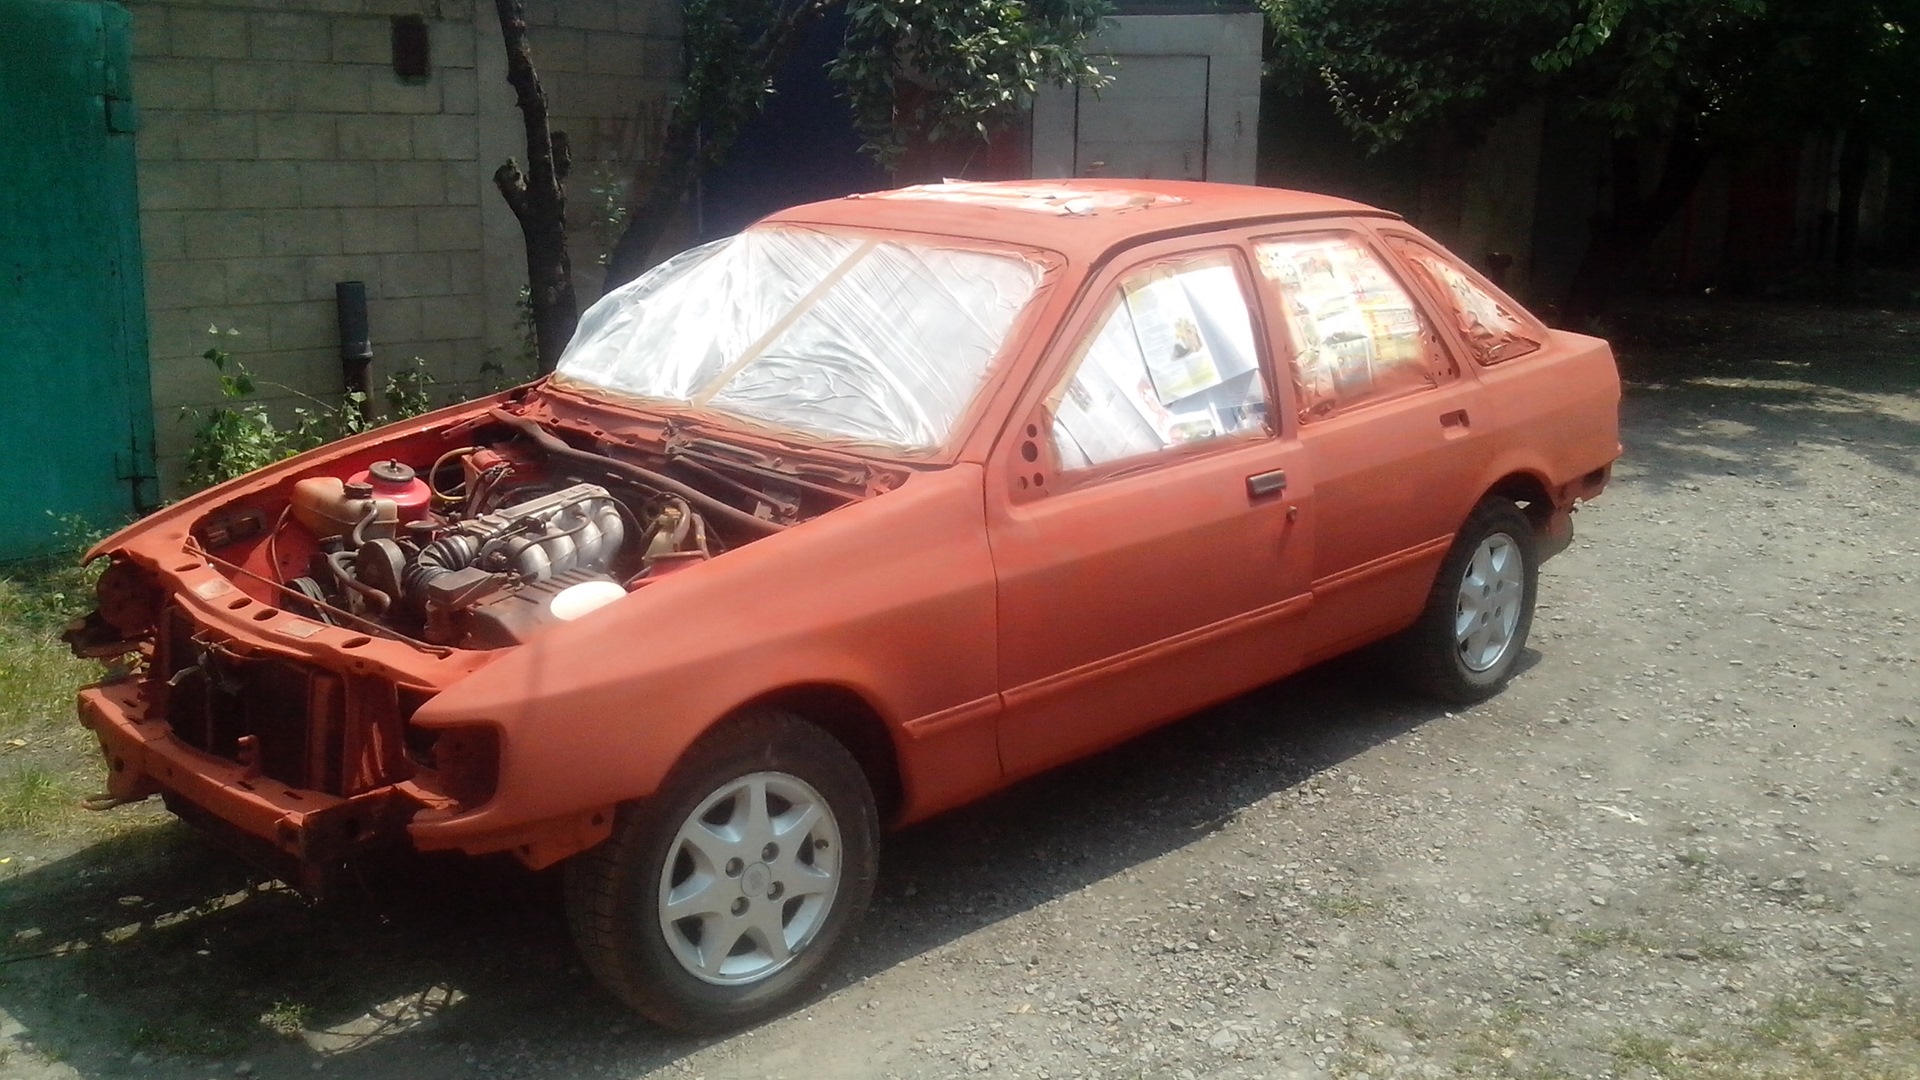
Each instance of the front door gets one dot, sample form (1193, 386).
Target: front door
(1151, 526)
(77, 410)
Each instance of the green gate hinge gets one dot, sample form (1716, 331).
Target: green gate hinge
(123, 116)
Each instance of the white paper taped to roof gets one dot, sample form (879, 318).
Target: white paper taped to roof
(843, 336)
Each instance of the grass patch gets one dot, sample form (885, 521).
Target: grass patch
(1590, 939)
(1340, 906)
(34, 798)
(37, 674)
(287, 1019)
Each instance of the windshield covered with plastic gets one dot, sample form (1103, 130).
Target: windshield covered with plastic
(843, 336)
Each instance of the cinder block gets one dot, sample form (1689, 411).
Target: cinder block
(266, 280)
(459, 93)
(364, 230)
(449, 318)
(661, 58)
(149, 30)
(159, 136)
(615, 54)
(415, 274)
(332, 7)
(291, 136)
(387, 94)
(466, 184)
(282, 36)
(323, 271)
(393, 319)
(544, 12)
(363, 40)
(204, 32)
(337, 88)
(308, 324)
(300, 232)
(559, 49)
(259, 184)
(445, 138)
(375, 138)
(453, 43)
(411, 183)
(259, 87)
(163, 233)
(455, 228)
(335, 183)
(589, 14)
(468, 272)
(217, 137)
(179, 185)
(173, 84)
(223, 234)
(185, 283)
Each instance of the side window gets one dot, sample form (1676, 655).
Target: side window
(1493, 326)
(1357, 336)
(1170, 362)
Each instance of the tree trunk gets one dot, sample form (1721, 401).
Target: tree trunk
(1623, 236)
(538, 198)
(1855, 160)
(648, 218)
(683, 158)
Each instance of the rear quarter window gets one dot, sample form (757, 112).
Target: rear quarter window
(1494, 327)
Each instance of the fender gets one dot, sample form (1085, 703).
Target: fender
(597, 711)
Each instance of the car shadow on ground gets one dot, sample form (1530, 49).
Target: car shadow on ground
(175, 952)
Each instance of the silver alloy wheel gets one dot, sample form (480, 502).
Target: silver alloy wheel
(749, 878)
(1491, 593)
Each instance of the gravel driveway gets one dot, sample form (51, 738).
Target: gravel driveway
(1684, 843)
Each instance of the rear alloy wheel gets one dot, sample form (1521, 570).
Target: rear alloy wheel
(717, 902)
(1474, 627)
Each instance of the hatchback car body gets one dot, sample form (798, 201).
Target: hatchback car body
(842, 522)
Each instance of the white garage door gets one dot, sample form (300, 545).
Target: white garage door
(1150, 122)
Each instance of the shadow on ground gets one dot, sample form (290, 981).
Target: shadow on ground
(174, 952)
(1738, 389)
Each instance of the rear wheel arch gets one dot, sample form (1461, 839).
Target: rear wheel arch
(1529, 491)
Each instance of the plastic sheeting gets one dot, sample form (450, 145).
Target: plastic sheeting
(838, 335)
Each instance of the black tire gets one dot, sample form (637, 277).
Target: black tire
(615, 903)
(1432, 655)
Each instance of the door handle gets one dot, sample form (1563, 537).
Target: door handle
(1260, 485)
(1455, 419)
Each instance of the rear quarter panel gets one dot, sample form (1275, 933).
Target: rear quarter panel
(1557, 410)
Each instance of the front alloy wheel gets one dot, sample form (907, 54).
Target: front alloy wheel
(719, 900)
(750, 878)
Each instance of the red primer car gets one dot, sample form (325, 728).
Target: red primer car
(853, 518)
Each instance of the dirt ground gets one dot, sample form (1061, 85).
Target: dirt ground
(1684, 843)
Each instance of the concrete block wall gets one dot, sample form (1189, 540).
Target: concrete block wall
(279, 153)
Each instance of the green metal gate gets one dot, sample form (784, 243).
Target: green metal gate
(76, 413)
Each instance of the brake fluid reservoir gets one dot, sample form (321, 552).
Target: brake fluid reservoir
(395, 482)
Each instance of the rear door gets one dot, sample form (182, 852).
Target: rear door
(77, 411)
(1150, 522)
(1396, 433)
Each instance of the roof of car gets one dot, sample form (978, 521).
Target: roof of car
(1079, 218)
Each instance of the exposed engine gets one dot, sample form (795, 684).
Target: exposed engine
(485, 546)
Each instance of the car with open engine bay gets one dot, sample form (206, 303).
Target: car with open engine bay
(844, 521)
